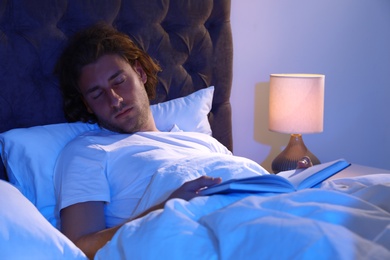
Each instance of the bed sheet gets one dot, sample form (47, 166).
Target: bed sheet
(343, 219)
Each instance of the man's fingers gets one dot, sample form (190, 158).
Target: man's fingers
(201, 182)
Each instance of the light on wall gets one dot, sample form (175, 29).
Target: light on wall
(296, 107)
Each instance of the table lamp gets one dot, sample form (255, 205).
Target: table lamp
(296, 107)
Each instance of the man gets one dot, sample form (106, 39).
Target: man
(102, 175)
(106, 78)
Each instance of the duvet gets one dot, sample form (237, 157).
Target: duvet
(343, 219)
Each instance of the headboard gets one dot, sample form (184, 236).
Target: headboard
(190, 39)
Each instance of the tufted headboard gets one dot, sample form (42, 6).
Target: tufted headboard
(191, 40)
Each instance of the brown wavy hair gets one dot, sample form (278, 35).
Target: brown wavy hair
(85, 48)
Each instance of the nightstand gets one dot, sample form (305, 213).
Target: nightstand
(357, 170)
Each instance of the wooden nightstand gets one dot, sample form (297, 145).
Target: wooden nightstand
(358, 170)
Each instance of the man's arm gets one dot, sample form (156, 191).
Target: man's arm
(84, 223)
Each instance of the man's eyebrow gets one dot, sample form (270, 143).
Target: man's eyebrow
(116, 74)
(113, 76)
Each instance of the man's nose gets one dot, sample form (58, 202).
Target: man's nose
(115, 98)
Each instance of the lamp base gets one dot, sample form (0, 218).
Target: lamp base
(289, 157)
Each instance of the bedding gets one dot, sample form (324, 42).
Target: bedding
(191, 40)
(40, 146)
(26, 234)
(344, 219)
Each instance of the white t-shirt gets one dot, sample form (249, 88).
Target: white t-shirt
(116, 168)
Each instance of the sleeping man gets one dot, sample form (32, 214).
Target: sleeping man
(101, 175)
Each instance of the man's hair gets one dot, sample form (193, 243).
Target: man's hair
(87, 47)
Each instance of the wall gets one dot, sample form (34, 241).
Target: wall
(348, 41)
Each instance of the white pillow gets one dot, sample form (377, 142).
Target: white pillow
(30, 154)
(26, 234)
(189, 113)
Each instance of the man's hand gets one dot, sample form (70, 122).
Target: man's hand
(191, 189)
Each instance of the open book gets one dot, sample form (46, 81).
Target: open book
(285, 181)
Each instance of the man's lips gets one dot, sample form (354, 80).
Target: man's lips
(123, 112)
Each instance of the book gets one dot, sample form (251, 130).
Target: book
(285, 181)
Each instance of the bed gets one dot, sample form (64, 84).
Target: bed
(346, 218)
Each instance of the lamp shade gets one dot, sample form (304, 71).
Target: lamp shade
(296, 103)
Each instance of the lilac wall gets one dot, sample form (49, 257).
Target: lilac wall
(348, 41)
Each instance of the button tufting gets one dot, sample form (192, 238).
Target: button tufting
(188, 38)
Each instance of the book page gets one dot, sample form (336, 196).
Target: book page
(309, 177)
(261, 183)
(286, 181)
(269, 179)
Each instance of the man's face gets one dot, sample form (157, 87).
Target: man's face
(114, 91)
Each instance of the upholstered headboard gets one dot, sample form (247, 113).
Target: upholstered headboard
(190, 39)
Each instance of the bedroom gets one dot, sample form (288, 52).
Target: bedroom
(184, 36)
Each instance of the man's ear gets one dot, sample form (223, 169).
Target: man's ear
(140, 71)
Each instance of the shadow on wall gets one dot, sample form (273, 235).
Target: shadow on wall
(276, 141)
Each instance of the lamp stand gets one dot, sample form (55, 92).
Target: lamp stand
(289, 157)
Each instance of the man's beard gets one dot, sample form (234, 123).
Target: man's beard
(139, 121)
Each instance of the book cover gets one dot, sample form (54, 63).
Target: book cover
(286, 181)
